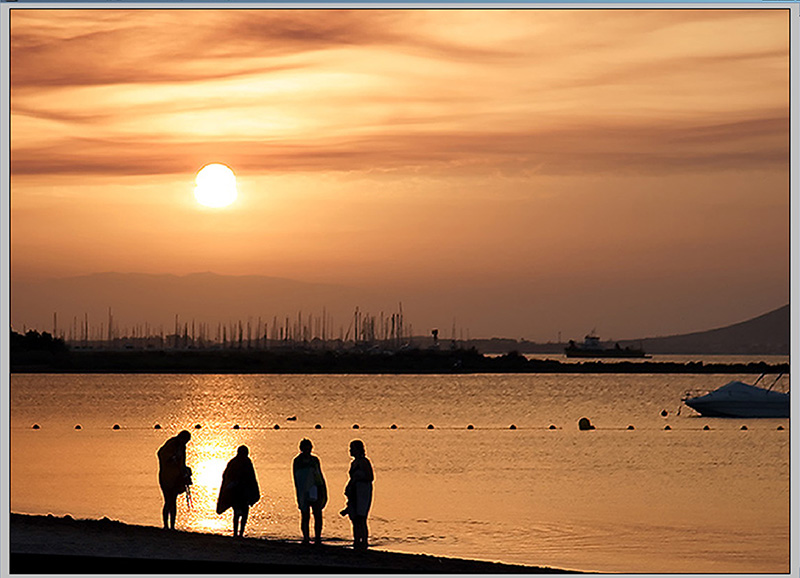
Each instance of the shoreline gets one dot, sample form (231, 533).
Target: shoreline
(64, 545)
(417, 361)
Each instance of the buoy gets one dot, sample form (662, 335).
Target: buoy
(355, 426)
(393, 426)
(470, 426)
(512, 426)
(236, 426)
(584, 424)
(430, 426)
(276, 426)
(744, 427)
(706, 428)
(552, 426)
(78, 426)
(157, 426)
(317, 426)
(780, 428)
(35, 426)
(116, 426)
(664, 413)
(666, 427)
(197, 426)
(631, 427)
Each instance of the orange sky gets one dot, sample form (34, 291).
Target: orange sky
(526, 171)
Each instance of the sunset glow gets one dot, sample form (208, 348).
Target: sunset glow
(510, 169)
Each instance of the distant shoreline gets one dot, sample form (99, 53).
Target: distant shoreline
(417, 361)
(51, 545)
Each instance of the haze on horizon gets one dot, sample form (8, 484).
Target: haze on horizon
(522, 171)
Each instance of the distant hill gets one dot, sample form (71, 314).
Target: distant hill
(766, 334)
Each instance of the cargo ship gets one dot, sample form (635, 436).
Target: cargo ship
(591, 347)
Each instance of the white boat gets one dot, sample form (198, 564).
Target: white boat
(737, 399)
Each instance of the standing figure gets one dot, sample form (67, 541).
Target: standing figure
(359, 494)
(173, 475)
(239, 489)
(312, 493)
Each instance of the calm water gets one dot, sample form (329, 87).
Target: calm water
(638, 501)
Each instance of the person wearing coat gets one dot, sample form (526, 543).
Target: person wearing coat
(312, 493)
(174, 477)
(239, 489)
(359, 494)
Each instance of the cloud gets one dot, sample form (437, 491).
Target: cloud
(132, 92)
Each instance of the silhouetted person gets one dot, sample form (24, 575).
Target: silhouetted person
(239, 489)
(359, 494)
(312, 493)
(173, 475)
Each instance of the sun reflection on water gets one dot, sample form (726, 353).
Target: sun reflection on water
(207, 458)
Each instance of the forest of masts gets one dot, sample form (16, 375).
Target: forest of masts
(365, 330)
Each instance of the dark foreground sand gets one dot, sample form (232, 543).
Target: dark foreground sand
(50, 545)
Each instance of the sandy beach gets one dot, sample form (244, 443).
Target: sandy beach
(52, 545)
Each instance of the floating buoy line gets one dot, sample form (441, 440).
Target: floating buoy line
(583, 424)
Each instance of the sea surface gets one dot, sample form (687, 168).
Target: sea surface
(642, 500)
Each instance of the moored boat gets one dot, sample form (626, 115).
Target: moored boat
(737, 399)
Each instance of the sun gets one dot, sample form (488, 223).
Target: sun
(216, 186)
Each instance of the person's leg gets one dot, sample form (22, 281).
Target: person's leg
(236, 514)
(243, 520)
(168, 513)
(305, 518)
(318, 525)
(356, 530)
(360, 532)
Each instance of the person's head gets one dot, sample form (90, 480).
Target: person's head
(184, 436)
(357, 448)
(305, 446)
(242, 451)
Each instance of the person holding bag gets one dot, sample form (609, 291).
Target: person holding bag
(174, 476)
(312, 493)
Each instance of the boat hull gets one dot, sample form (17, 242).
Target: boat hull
(740, 409)
(737, 399)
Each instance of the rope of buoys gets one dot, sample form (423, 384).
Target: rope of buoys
(35, 426)
(116, 426)
(78, 426)
(512, 426)
(666, 427)
(706, 428)
(355, 426)
(157, 426)
(780, 428)
(393, 426)
(470, 426)
(744, 427)
(236, 426)
(318, 426)
(630, 427)
(276, 426)
(430, 426)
